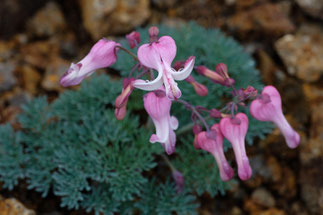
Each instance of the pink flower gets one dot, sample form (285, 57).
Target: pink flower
(102, 54)
(235, 131)
(133, 39)
(159, 56)
(269, 108)
(158, 107)
(214, 144)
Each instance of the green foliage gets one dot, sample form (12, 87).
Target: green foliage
(11, 157)
(199, 169)
(162, 199)
(76, 148)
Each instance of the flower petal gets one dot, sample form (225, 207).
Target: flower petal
(162, 131)
(292, 138)
(149, 56)
(167, 49)
(170, 144)
(186, 71)
(149, 85)
(71, 76)
(173, 122)
(171, 88)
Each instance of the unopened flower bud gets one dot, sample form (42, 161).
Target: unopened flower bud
(153, 34)
(133, 39)
(190, 79)
(247, 93)
(229, 81)
(197, 128)
(215, 113)
(213, 76)
(121, 112)
(122, 100)
(200, 89)
(179, 180)
(127, 89)
(222, 70)
(251, 91)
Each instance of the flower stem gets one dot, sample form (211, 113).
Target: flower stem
(193, 109)
(128, 52)
(172, 168)
(133, 69)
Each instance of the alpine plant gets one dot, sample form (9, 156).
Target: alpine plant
(158, 55)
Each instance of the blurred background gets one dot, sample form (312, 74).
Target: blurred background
(40, 38)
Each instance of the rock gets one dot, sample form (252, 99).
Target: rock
(164, 3)
(240, 4)
(66, 44)
(302, 53)
(269, 70)
(311, 189)
(39, 53)
(12, 206)
(298, 208)
(287, 186)
(205, 12)
(260, 172)
(312, 7)
(236, 211)
(311, 153)
(263, 197)
(251, 207)
(19, 98)
(30, 77)
(313, 94)
(313, 149)
(15, 101)
(7, 78)
(275, 144)
(269, 19)
(6, 50)
(10, 104)
(14, 14)
(275, 169)
(47, 21)
(54, 70)
(102, 17)
(272, 211)
(9, 115)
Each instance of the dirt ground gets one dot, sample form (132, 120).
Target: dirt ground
(39, 40)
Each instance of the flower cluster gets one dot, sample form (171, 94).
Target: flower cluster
(158, 55)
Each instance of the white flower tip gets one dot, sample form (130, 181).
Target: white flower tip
(293, 141)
